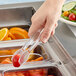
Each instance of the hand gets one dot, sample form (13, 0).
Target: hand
(46, 18)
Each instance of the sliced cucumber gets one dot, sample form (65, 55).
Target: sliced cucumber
(73, 11)
(69, 6)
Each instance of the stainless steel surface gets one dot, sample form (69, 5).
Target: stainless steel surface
(62, 55)
(36, 5)
(53, 47)
(42, 64)
(49, 70)
(67, 38)
(63, 33)
(31, 65)
(15, 16)
(56, 53)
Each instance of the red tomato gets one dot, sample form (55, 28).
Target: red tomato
(16, 60)
(72, 17)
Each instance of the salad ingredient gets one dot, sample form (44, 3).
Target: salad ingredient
(7, 52)
(11, 36)
(72, 17)
(3, 33)
(19, 30)
(66, 13)
(19, 74)
(8, 38)
(12, 51)
(18, 35)
(16, 60)
(36, 72)
(73, 11)
(4, 52)
(65, 17)
(13, 33)
(38, 59)
(69, 6)
(6, 61)
(10, 74)
(69, 11)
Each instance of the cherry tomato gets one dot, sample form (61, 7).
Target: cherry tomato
(16, 60)
(72, 17)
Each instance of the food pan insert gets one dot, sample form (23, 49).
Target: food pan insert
(54, 56)
(16, 17)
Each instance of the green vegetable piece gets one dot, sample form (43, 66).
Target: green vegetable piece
(69, 6)
(67, 18)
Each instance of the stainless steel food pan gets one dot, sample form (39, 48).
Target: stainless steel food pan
(56, 57)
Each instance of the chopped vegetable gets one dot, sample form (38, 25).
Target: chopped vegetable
(73, 11)
(66, 13)
(72, 17)
(69, 6)
(38, 72)
(10, 74)
(6, 61)
(38, 59)
(67, 18)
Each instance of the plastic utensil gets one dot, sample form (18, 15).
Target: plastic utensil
(24, 52)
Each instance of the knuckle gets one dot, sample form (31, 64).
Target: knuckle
(35, 21)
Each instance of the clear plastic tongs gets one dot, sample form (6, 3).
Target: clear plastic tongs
(24, 52)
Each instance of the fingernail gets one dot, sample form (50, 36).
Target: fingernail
(44, 40)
